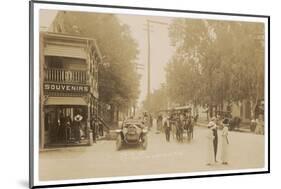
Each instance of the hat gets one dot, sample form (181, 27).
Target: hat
(78, 117)
(211, 124)
(225, 121)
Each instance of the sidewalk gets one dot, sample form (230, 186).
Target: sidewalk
(52, 147)
(242, 128)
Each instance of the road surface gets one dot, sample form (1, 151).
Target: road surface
(246, 150)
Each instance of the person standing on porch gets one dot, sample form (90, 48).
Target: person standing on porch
(77, 119)
(224, 142)
(68, 129)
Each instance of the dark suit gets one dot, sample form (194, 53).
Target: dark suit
(94, 130)
(167, 130)
(215, 142)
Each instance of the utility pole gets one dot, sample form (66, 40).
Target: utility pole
(148, 30)
(138, 67)
(148, 63)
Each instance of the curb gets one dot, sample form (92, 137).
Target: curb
(242, 130)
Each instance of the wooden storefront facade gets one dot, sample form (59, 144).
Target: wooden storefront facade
(68, 86)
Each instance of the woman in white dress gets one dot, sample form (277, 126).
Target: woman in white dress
(260, 125)
(224, 143)
(210, 146)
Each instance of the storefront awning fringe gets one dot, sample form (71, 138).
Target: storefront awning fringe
(66, 101)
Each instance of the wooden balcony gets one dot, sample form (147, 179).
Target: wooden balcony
(65, 76)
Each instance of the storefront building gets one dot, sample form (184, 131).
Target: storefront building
(68, 88)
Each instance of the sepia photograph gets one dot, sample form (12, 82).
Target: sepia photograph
(128, 94)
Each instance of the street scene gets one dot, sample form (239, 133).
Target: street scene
(102, 159)
(128, 95)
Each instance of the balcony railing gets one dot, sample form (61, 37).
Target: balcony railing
(65, 76)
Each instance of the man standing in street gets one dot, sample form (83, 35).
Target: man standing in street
(215, 141)
(167, 129)
(159, 123)
(94, 129)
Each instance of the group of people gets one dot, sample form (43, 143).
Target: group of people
(257, 125)
(67, 130)
(176, 124)
(212, 141)
(74, 130)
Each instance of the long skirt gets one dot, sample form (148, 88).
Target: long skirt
(210, 152)
(224, 150)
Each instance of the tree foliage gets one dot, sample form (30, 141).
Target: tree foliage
(118, 83)
(158, 100)
(216, 61)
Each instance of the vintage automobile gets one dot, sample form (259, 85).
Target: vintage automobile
(132, 132)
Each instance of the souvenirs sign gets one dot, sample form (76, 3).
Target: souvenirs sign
(66, 88)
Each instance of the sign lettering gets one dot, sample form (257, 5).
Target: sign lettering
(71, 88)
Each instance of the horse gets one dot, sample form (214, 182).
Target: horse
(179, 130)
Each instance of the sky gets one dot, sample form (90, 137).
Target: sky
(46, 18)
(160, 49)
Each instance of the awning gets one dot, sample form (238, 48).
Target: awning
(66, 101)
(65, 51)
(182, 108)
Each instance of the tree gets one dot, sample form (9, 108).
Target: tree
(119, 83)
(228, 56)
(183, 78)
(158, 100)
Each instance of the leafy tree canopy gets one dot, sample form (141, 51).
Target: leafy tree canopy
(119, 83)
(216, 61)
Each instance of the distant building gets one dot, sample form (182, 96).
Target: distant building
(241, 109)
(244, 109)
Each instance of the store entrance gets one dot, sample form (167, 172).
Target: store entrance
(65, 125)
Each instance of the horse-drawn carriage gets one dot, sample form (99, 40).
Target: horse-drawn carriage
(181, 122)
